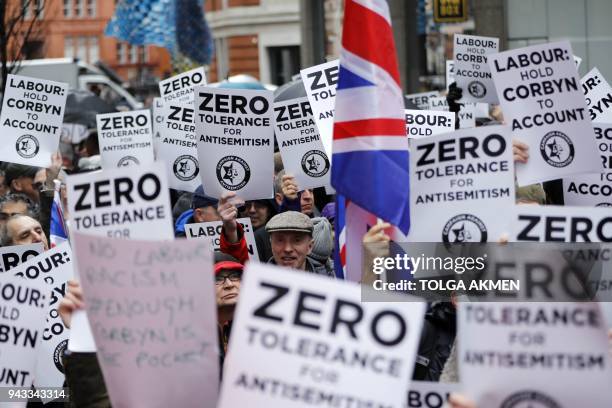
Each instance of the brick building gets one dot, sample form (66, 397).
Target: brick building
(255, 37)
(75, 28)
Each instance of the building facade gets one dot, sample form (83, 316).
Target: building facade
(260, 38)
(75, 29)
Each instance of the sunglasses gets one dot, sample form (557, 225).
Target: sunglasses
(5, 216)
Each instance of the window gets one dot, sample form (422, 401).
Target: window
(121, 53)
(143, 54)
(40, 8)
(67, 8)
(94, 50)
(91, 8)
(222, 58)
(25, 6)
(133, 54)
(78, 6)
(81, 51)
(68, 47)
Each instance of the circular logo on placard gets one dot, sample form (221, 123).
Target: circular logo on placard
(58, 353)
(477, 89)
(27, 146)
(529, 399)
(315, 163)
(186, 167)
(127, 161)
(233, 173)
(557, 149)
(604, 205)
(464, 228)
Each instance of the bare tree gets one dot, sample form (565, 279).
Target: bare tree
(20, 22)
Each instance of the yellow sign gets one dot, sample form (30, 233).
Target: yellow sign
(450, 11)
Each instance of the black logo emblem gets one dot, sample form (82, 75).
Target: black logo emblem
(58, 353)
(557, 149)
(186, 167)
(127, 161)
(531, 399)
(315, 163)
(464, 228)
(233, 173)
(477, 89)
(27, 146)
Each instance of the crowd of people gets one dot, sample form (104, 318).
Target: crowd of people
(295, 229)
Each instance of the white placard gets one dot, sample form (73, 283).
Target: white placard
(125, 138)
(124, 203)
(179, 88)
(460, 183)
(421, 123)
(31, 120)
(540, 95)
(552, 223)
(320, 82)
(177, 146)
(285, 315)
(450, 73)
(212, 231)
(593, 189)
(421, 100)
(598, 94)
(471, 70)
(429, 394)
(11, 256)
(235, 141)
(529, 354)
(300, 145)
(158, 119)
(23, 321)
(54, 268)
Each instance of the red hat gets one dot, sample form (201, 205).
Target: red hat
(231, 265)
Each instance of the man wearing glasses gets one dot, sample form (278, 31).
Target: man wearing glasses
(27, 180)
(14, 204)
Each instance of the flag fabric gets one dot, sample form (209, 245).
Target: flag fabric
(57, 229)
(340, 237)
(177, 25)
(370, 147)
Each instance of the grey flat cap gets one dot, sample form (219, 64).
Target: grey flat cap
(290, 221)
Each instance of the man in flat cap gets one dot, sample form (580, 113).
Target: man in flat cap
(291, 240)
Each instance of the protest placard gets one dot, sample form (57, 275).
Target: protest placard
(300, 145)
(593, 189)
(320, 82)
(326, 340)
(526, 354)
(125, 138)
(429, 394)
(471, 70)
(31, 120)
(552, 223)
(598, 95)
(23, 306)
(11, 256)
(153, 315)
(421, 123)
(125, 202)
(178, 146)
(461, 182)
(212, 231)
(235, 141)
(179, 88)
(53, 267)
(158, 119)
(540, 95)
(450, 73)
(421, 100)
(466, 115)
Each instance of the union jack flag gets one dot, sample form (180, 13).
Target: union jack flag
(370, 148)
